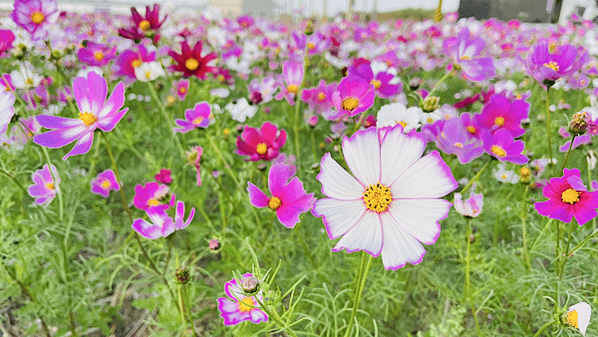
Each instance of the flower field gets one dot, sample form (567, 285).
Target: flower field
(193, 175)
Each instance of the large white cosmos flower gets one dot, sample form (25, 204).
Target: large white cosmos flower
(391, 204)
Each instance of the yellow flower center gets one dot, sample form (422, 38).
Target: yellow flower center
(470, 129)
(293, 89)
(29, 81)
(500, 121)
(153, 202)
(37, 17)
(321, 96)
(311, 46)
(191, 64)
(572, 319)
(197, 120)
(246, 304)
(459, 145)
(403, 124)
(145, 25)
(570, 196)
(499, 151)
(377, 198)
(136, 63)
(274, 203)
(221, 78)
(226, 132)
(376, 83)
(552, 65)
(105, 184)
(148, 74)
(350, 104)
(182, 90)
(464, 57)
(504, 176)
(524, 171)
(50, 186)
(98, 56)
(261, 148)
(170, 99)
(87, 118)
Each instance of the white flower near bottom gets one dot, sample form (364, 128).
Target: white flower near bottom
(397, 113)
(391, 204)
(25, 77)
(578, 316)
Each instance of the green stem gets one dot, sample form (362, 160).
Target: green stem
(566, 248)
(475, 177)
(581, 244)
(466, 286)
(272, 314)
(57, 188)
(442, 79)
(361, 277)
(524, 227)
(548, 130)
(298, 112)
(175, 139)
(544, 327)
(567, 155)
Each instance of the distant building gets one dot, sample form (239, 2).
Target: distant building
(232, 8)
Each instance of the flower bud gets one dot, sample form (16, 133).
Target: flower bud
(430, 103)
(250, 285)
(579, 123)
(414, 83)
(214, 244)
(525, 175)
(309, 27)
(182, 275)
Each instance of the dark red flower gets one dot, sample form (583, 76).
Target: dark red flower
(144, 26)
(190, 62)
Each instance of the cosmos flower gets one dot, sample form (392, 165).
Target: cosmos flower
(198, 117)
(7, 110)
(241, 109)
(129, 60)
(96, 54)
(44, 187)
(25, 77)
(153, 195)
(143, 26)
(392, 203)
(506, 176)
(549, 62)
(161, 224)
(352, 97)
(319, 98)
(397, 113)
(500, 113)
(190, 62)
(288, 199)
(471, 207)
(35, 15)
(502, 146)
(163, 176)
(237, 307)
(181, 87)
(465, 52)
(578, 316)
(104, 183)
(568, 198)
(293, 73)
(6, 39)
(94, 112)
(149, 71)
(262, 144)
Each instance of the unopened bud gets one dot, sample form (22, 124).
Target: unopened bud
(262, 166)
(309, 27)
(182, 274)
(214, 244)
(414, 83)
(55, 54)
(430, 103)
(250, 285)
(579, 123)
(525, 175)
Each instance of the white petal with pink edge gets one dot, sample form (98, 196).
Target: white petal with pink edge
(419, 217)
(429, 177)
(339, 215)
(362, 154)
(366, 235)
(338, 183)
(400, 247)
(398, 152)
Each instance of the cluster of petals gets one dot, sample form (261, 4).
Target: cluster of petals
(153, 195)
(568, 198)
(262, 144)
(465, 52)
(7, 110)
(501, 113)
(578, 316)
(143, 25)
(381, 81)
(7, 37)
(319, 99)
(104, 183)
(94, 112)
(190, 61)
(548, 62)
(129, 60)
(35, 15)
(289, 198)
(353, 96)
(391, 204)
(96, 54)
(198, 117)
(161, 224)
(471, 207)
(237, 307)
(293, 73)
(502, 146)
(44, 187)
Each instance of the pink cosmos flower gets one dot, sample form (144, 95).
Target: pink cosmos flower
(549, 62)
(500, 113)
(198, 117)
(162, 224)
(263, 144)
(237, 307)
(35, 15)
(568, 198)
(288, 199)
(319, 99)
(293, 77)
(96, 54)
(391, 204)
(153, 195)
(181, 87)
(381, 81)
(104, 183)
(465, 52)
(163, 177)
(352, 96)
(471, 207)
(94, 112)
(143, 26)
(194, 158)
(504, 147)
(131, 59)
(44, 188)
(6, 39)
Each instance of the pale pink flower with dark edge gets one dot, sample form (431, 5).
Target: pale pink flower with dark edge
(471, 207)
(391, 204)
(35, 15)
(288, 199)
(162, 224)
(104, 183)
(44, 188)
(94, 112)
(237, 307)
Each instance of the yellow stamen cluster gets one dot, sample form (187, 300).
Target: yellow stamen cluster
(376, 83)
(321, 96)
(350, 104)
(570, 196)
(182, 90)
(499, 151)
(261, 148)
(403, 124)
(552, 65)
(311, 46)
(98, 56)
(105, 184)
(500, 121)
(246, 304)
(377, 198)
(136, 63)
(153, 202)
(293, 89)
(87, 118)
(471, 129)
(274, 203)
(145, 25)
(37, 17)
(191, 64)
(464, 57)
(50, 186)
(197, 120)
(572, 319)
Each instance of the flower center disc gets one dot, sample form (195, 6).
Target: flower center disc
(87, 118)
(105, 184)
(136, 63)
(98, 56)
(37, 18)
(497, 150)
(311, 46)
(500, 121)
(350, 104)
(321, 96)
(261, 148)
(572, 319)
(376, 83)
(245, 304)
(274, 203)
(293, 89)
(191, 64)
(377, 198)
(145, 25)
(470, 129)
(552, 65)
(197, 120)
(50, 186)
(570, 196)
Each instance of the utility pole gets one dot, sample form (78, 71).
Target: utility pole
(438, 13)
(350, 10)
(325, 10)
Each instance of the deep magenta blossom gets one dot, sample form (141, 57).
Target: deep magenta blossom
(181, 87)
(6, 39)
(96, 54)
(237, 307)
(104, 183)
(568, 198)
(500, 113)
(548, 62)
(288, 199)
(381, 81)
(163, 176)
(35, 15)
(353, 96)
(198, 117)
(319, 99)
(190, 62)
(143, 26)
(263, 144)
(131, 59)
(44, 187)
(465, 52)
(153, 195)
(161, 224)
(94, 112)
(502, 146)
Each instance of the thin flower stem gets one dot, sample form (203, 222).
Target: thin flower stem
(186, 309)
(167, 118)
(548, 130)
(274, 315)
(581, 244)
(467, 285)
(544, 327)
(475, 317)
(566, 257)
(442, 79)
(524, 227)
(298, 111)
(170, 240)
(475, 177)
(567, 155)
(362, 275)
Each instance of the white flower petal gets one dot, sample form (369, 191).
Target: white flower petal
(429, 177)
(584, 311)
(399, 246)
(339, 216)
(362, 154)
(398, 152)
(419, 217)
(338, 183)
(365, 235)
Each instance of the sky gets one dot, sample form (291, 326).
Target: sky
(336, 6)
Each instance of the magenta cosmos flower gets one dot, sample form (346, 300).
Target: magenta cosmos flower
(263, 144)
(35, 15)
(198, 117)
(162, 224)
(6, 39)
(129, 60)
(94, 112)
(465, 52)
(501, 113)
(190, 62)
(237, 307)
(391, 204)
(288, 199)
(548, 62)
(568, 198)
(104, 183)
(352, 96)
(143, 26)
(96, 54)
(502, 146)
(44, 187)
(153, 195)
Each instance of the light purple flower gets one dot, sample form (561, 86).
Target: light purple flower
(465, 52)
(237, 307)
(293, 77)
(94, 112)
(198, 117)
(502, 146)
(153, 195)
(35, 15)
(161, 224)
(96, 54)
(44, 188)
(471, 207)
(104, 183)
(549, 62)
